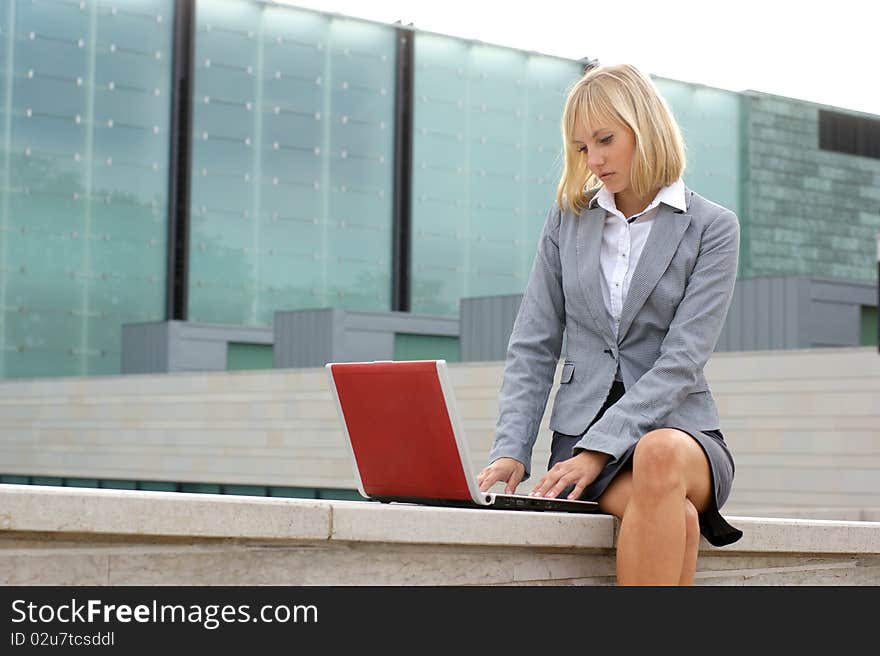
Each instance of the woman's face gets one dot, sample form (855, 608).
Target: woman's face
(608, 149)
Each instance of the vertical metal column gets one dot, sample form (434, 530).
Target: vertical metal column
(176, 299)
(401, 270)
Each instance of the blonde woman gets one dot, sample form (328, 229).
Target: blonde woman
(638, 270)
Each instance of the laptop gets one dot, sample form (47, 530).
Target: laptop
(406, 439)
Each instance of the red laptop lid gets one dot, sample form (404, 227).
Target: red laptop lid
(399, 429)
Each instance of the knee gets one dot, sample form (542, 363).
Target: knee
(658, 463)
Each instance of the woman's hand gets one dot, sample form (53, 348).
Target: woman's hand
(581, 470)
(504, 469)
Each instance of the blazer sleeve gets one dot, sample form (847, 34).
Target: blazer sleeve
(532, 352)
(687, 346)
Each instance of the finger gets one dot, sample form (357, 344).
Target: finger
(484, 473)
(489, 480)
(513, 481)
(578, 489)
(537, 488)
(561, 484)
(544, 484)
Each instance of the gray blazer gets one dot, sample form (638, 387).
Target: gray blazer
(670, 322)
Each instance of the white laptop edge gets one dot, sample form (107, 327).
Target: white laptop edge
(480, 498)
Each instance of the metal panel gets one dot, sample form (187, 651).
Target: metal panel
(404, 322)
(304, 338)
(486, 324)
(765, 312)
(364, 345)
(780, 312)
(145, 347)
(191, 351)
(750, 301)
(804, 296)
(834, 324)
(181, 346)
(830, 289)
(203, 347)
(311, 338)
(792, 334)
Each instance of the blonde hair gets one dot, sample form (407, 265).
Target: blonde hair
(620, 94)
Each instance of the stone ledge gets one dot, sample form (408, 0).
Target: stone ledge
(81, 536)
(66, 510)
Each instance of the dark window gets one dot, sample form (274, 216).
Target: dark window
(854, 135)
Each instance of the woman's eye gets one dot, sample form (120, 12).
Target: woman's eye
(607, 140)
(582, 149)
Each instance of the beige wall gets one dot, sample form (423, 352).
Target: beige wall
(804, 427)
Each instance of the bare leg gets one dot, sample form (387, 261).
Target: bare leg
(669, 467)
(691, 544)
(614, 502)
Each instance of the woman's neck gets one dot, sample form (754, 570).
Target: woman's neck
(629, 204)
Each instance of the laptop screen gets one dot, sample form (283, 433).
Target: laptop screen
(399, 429)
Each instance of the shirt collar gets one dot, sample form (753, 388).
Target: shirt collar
(673, 195)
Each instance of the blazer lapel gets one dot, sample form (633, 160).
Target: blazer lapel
(591, 223)
(666, 233)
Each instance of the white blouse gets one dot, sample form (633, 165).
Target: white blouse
(622, 242)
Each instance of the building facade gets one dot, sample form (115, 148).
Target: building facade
(221, 161)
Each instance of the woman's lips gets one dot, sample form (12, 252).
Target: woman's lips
(605, 176)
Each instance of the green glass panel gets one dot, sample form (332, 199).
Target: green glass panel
(47, 480)
(81, 482)
(293, 492)
(711, 128)
(342, 495)
(157, 486)
(84, 117)
(15, 480)
(291, 162)
(426, 347)
(200, 488)
(486, 147)
(114, 484)
(248, 490)
(869, 326)
(248, 356)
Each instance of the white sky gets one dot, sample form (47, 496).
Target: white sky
(824, 51)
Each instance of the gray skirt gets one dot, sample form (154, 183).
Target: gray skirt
(712, 525)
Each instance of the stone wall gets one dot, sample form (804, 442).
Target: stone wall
(810, 211)
(803, 425)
